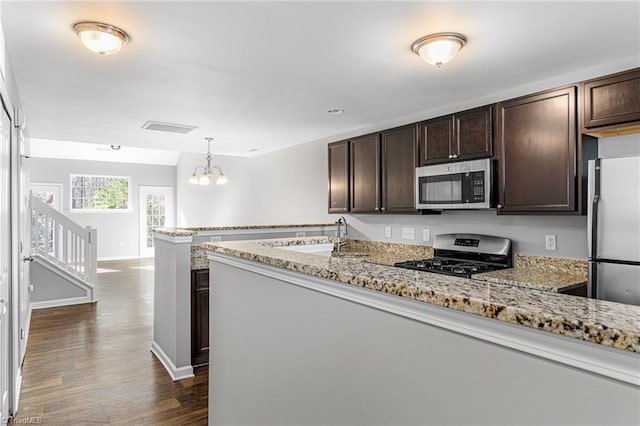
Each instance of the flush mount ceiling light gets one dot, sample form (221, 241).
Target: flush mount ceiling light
(439, 48)
(205, 177)
(101, 38)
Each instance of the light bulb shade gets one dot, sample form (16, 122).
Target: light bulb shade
(222, 179)
(439, 48)
(193, 179)
(205, 179)
(101, 38)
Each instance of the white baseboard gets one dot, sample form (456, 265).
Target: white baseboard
(61, 302)
(175, 372)
(100, 259)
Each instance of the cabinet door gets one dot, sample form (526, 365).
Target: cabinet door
(473, 133)
(365, 174)
(436, 139)
(199, 317)
(338, 177)
(537, 138)
(399, 155)
(612, 100)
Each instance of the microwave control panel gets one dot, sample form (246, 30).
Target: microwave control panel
(473, 188)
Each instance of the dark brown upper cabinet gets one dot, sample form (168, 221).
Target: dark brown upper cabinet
(399, 160)
(338, 177)
(462, 136)
(536, 136)
(382, 171)
(436, 138)
(612, 101)
(365, 174)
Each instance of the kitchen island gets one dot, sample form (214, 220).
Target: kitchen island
(306, 339)
(177, 254)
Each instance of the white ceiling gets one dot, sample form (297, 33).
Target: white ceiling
(260, 75)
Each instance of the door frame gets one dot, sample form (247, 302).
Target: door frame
(53, 187)
(9, 382)
(143, 191)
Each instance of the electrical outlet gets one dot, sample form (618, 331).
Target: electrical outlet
(31, 288)
(550, 242)
(215, 238)
(426, 235)
(408, 233)
(387, 231)
(301, 234)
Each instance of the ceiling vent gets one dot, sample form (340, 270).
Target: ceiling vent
(168, 127)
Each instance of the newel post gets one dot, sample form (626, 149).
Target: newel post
(92, 256)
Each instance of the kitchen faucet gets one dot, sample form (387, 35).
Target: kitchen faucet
(341, 221)
(339, 234)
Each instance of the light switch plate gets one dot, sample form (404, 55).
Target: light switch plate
(426, 235)
(408, 233)
(387, 231)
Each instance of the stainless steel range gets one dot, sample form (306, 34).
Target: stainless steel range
(465, 254)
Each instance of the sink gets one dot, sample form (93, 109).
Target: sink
(323, 249)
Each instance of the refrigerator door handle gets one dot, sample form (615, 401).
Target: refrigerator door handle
(592, 227)
(592, 283)
(592, 216)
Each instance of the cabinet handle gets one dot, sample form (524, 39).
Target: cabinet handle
(451, 156)
(455, 155)
(499, 206)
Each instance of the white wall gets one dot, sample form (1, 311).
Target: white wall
(290, 186)
(619, 146)
(283, 187)
(118, 232)
(213, 204)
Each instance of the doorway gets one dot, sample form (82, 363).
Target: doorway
(156, 211)
(49, 193)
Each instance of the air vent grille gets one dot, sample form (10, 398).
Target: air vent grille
(168, 127)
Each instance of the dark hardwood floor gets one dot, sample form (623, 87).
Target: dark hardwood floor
(91, 364)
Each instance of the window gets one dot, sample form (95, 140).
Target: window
(99, 192)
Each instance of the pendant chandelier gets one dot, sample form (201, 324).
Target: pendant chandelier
(204, 178)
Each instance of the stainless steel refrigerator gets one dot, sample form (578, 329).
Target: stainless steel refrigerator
(614, 229)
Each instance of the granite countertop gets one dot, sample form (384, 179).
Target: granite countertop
(534, 278)
(611, 324)
(369, 251)
(541, 273)
(181, 232)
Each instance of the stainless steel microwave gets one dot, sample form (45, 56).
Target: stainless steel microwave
(460, 185)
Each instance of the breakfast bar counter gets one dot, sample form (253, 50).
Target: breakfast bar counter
(513, 295)
(314, 338)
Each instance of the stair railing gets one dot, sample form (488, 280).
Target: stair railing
(63, 242)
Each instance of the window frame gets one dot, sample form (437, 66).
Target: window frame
(129, 194)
